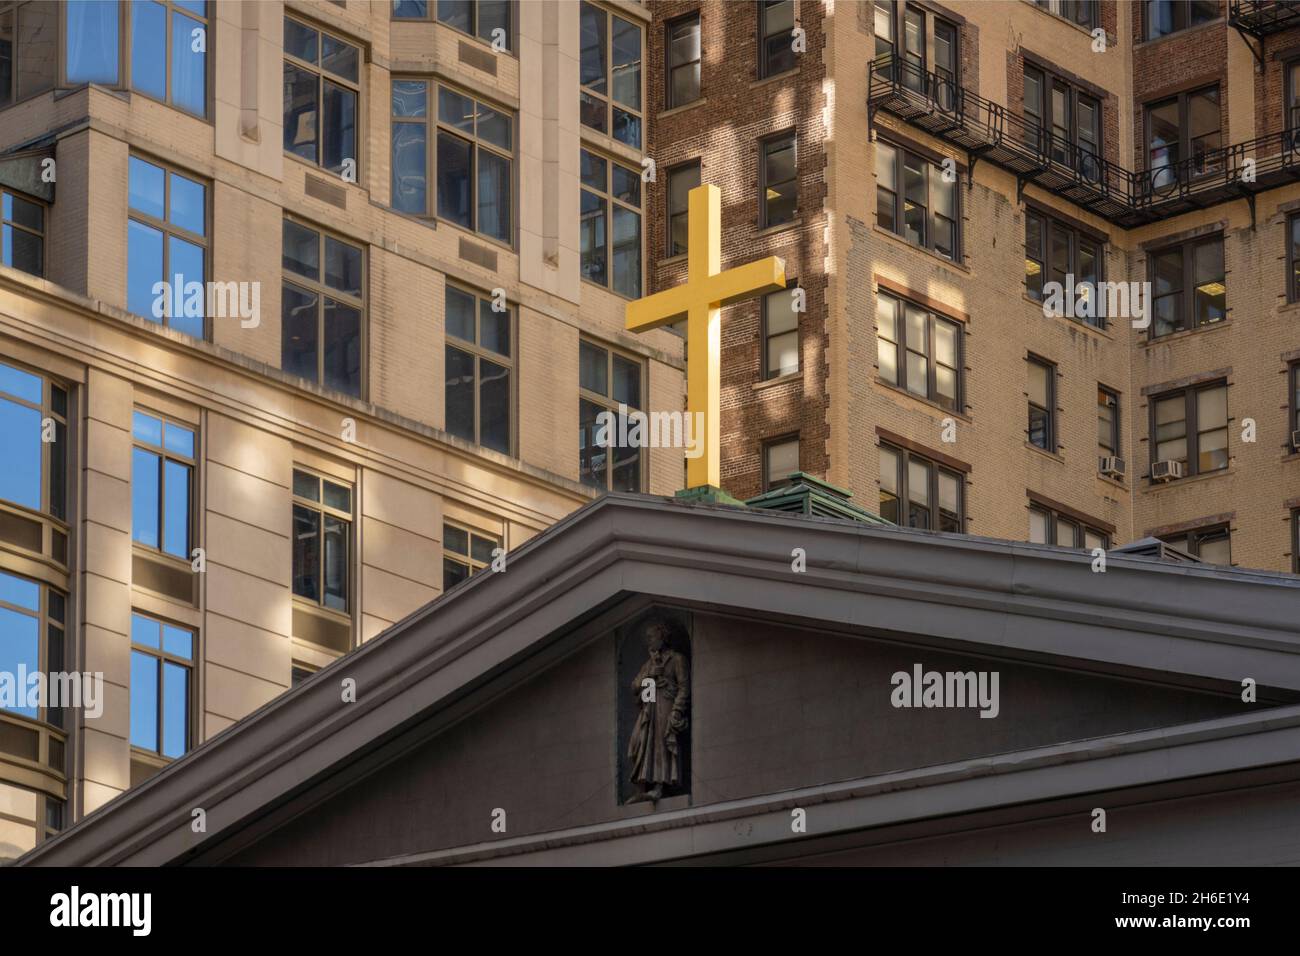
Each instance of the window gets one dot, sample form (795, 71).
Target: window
(300, 673)
(22, 233)
(611, 250)
(168, 58)
(918, 350)
(610, 74)
(1191, 427)
(778, 184)
(682, 43)
(1107, 423)
(322, 86)
(489, 20)
(1211, 545)
(780, 462)
(23, 822)
(1062, 254)
(35, 472)
(1042, 404)
(321, 308)
(775, 32)
(607, 380)
(883, 14)
(473, 156)
(1062, 123)
(322, 531)
(1293, 258)
(780, 333)
(1170, 16)
(681, 180)
(31, 638)
(162, 484)
(1082, 12)
(913, 47)
(1183, 137)
(464, 552)
(479, 396)
(167, 247)
(92, 45)
(1048, 526)
(1188, 286)
(1291, 119)
(925, 210)
(1293, 404)
(162, 662)
(1295, 541)
(918, 493)
(28, 49)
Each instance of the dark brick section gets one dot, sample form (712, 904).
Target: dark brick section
(1186, 60)
(1270, 86)
(725, 133)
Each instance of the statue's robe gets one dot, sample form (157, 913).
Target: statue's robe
(652, 752)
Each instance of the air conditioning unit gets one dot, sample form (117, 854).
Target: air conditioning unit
(1111, 466)
(1166, 470)
(1295, 440)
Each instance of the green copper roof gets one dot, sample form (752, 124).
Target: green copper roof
(811, 496)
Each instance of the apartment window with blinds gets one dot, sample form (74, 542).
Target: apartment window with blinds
(464, 553)
(610, 225)
(778, 184)
(479, 370)
(609, 71)
(1212, 545)
(919, 350)
(780, 462)
(916, 492)
(162, 667)
(22, 233)
(1188, 287)
(1048, 526)
(1191, 427)
(322, 534)
(1042, 404)
(780, 333)
(1055, 252)
(681, 180)
(914, 201)
(1062, 122)
(682, 49)
(606, 380)
(322, 308)
(489, 20)
(775, 37)
(322, 90)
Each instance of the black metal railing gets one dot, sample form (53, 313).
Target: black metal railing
(1259, 18)
(987, 130)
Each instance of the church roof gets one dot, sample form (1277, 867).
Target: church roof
(1198, 624)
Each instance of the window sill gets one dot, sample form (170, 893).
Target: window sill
(670, 261)
(684, 108)
(774, 78)
(894, 237)
(1179, 336)
(477, 236)
(1190, 479)
(930, 404)
(606, 143)
(329, 174)
(1053, 455)
(605, 288)
(785, 379)
(793, 224)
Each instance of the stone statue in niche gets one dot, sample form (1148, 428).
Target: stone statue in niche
(656, 757)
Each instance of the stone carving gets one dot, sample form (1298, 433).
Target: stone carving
(655, 760)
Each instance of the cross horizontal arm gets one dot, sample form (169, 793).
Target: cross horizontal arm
(671, 305)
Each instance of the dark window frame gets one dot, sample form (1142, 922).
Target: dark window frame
(1293, 257)
(638, 113)
(7, 224)
(902, 492)
(481, 353)
(161, 656)
(1112, 401)
(324, 75)
(792, 438)
(763, 67)
(901, 154)
(1193, 540)
(164, 454)
(1046, 140)
(1192, 433)
(670, 68)
(1052, 522)
(766, 336)
(1186, 313)
(1295, 541)
(1293, 402)
(1048, 228)
(766, 144)
(1161, 182)
(903, 345)
(1071, 9)
(465, 559)
(1051, 427)
(671, 214)
(324, 510)
(612, 201)
(1187, 6)
(607, 402)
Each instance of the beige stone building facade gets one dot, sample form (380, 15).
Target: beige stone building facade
(992, 148)
(209, 500)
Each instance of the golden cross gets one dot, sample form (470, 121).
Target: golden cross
(700, 300)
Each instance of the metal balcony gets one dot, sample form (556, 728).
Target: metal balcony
(987, 130)
(1259, 18)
